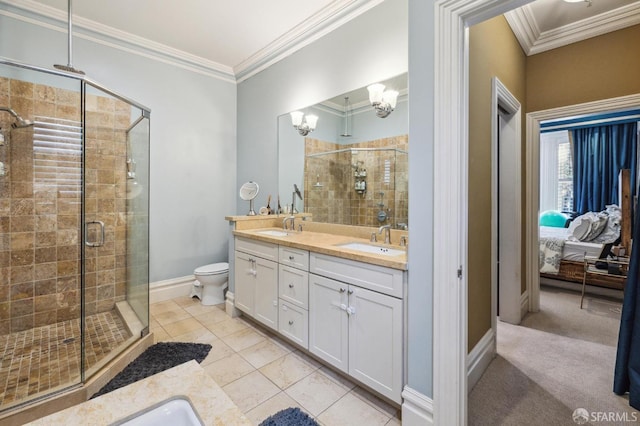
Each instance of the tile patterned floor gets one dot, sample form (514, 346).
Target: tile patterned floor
(263, 374)
(44, 358)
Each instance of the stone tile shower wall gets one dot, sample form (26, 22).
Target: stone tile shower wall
(40, 205)
(330, 182)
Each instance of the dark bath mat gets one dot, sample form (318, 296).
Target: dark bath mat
(159, 357)
(289, 417)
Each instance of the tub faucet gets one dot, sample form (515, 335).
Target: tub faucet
(387, 233)
(293, 223)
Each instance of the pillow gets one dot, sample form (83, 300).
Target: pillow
(611, 231)
(588, 226)
(553, 218)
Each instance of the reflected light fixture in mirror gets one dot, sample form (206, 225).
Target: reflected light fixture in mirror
(303, 124)
(384, 101)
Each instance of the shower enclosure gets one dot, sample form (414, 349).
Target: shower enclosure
(363, 184)
(74, 215)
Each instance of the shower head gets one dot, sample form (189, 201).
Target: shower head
(20, 122)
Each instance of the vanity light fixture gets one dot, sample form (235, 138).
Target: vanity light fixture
(384, 101)
(303, 124)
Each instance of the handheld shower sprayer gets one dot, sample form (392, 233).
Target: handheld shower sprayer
(20, 122)
(296, 191)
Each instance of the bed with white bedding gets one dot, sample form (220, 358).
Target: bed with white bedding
(572, 250)
(562, 252)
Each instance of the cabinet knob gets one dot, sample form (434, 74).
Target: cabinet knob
(290, 322)
(350, 292)
(342, 289)
(291, 257)
(291, 285)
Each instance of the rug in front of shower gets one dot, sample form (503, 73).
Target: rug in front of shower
(159, 357)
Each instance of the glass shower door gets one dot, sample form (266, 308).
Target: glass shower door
(110, 223)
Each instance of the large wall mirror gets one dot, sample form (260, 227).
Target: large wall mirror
(352, 168)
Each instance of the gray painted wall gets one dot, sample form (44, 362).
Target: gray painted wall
(193, 132)
(370, 48)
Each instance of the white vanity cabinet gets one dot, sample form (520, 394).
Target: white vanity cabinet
(350, 314)
(256, 280)
(355, 329)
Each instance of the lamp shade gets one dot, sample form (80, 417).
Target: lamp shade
(375, 92)
(296, 118)
(390, 97)
(312, 120)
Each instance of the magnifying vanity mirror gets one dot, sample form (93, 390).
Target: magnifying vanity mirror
(352, 167)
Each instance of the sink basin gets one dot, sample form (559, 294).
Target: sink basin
(273, 233)
(175, 412)
(370, 248)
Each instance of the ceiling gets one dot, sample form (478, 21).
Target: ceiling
(548, 24)
(239, 38)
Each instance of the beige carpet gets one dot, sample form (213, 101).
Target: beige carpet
(557, 360)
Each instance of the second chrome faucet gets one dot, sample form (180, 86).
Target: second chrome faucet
(387, 233)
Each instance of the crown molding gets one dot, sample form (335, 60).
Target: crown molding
(532, 40)
(326, 20)
(49, 17)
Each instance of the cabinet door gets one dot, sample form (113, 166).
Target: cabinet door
(328, 321)
(266, 293)
(375, 341)
(245, 274)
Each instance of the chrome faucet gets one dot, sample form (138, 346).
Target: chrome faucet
(293, 223)
(387, 233)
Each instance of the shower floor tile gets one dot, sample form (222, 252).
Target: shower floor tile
(44, 358)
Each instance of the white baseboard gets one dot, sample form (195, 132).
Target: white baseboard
(160, 291)
(480, 357)
(524, 303)
(417, 409)
(229, 305)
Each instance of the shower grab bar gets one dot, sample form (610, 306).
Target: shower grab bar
(98, 243)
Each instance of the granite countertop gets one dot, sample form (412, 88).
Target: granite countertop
(327, 243)
(189, 379)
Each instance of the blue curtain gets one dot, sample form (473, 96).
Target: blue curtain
(627, 372)
(598, 155)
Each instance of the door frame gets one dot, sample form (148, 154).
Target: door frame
(450, 199)
(533, 175)
(510, 295)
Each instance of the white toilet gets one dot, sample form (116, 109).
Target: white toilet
(211, 281)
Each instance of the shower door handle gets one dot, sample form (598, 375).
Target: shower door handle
(100, 241)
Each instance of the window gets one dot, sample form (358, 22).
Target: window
(556, 171)
(564, 189)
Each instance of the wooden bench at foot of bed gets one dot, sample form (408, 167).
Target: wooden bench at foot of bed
(574, 272)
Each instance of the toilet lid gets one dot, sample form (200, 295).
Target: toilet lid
(212, 269)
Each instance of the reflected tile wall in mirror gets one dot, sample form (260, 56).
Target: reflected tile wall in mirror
(330, 181)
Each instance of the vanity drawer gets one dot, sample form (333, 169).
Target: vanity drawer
(294, 257)
(294, 323)
(373, 277)
(257, 248)
(293, 286)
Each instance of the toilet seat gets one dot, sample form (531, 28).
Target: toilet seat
(212, 269)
